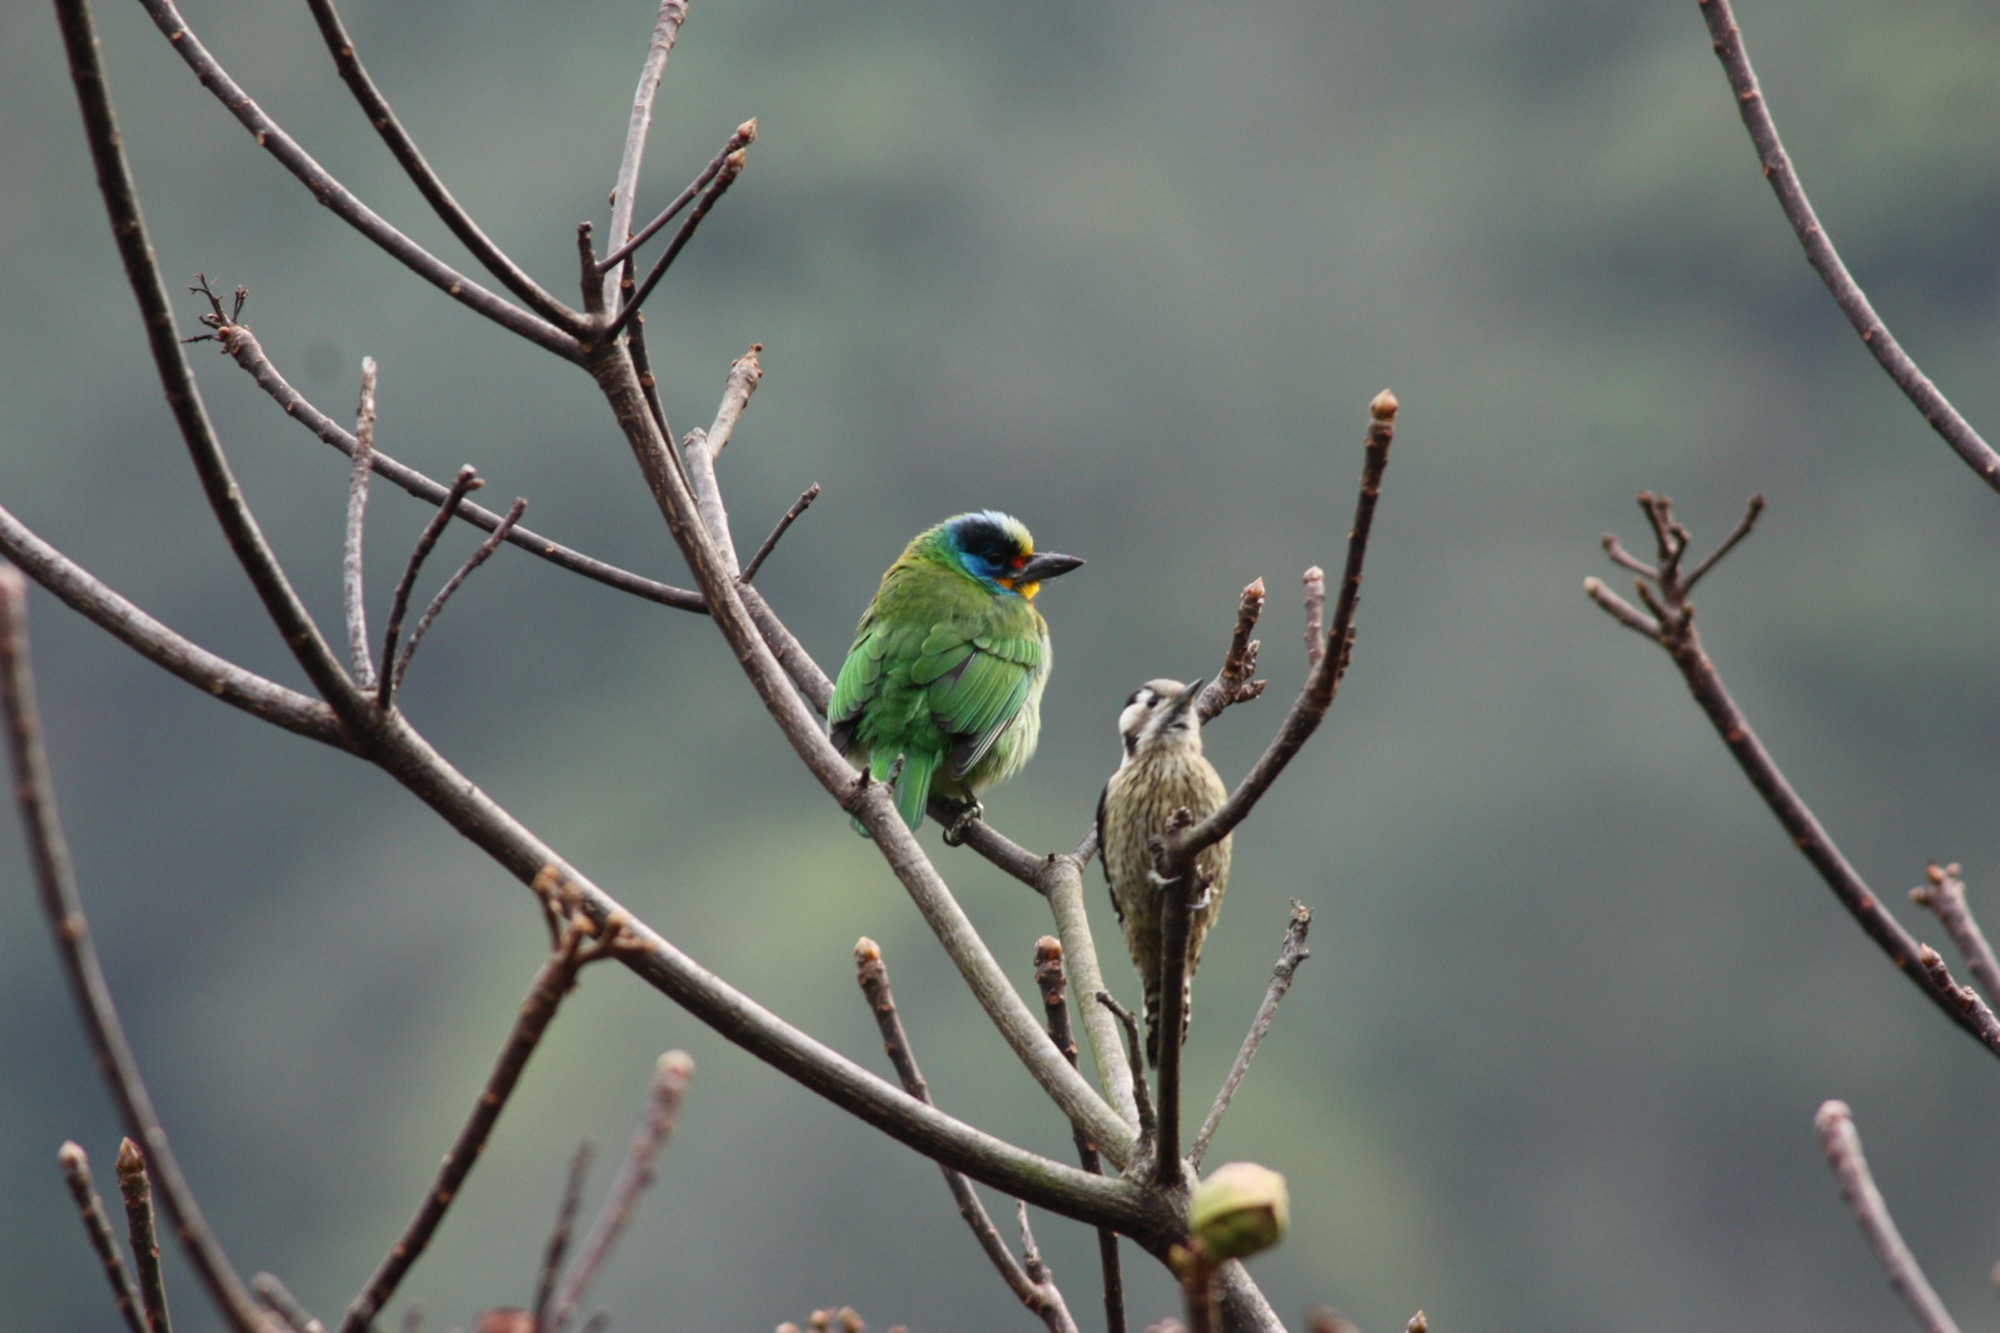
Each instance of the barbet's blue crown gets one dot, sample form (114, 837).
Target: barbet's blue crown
(990, 546)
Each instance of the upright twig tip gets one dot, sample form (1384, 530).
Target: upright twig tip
(72, 1156)
(867, 951)
(1384, 406)
(674, 1064)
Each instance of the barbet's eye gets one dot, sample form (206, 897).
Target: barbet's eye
(1017, 562)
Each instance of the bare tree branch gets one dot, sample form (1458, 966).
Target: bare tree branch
(558, 1246)
(1945, 896)
(241, 345)
(1148, 1120)
(579, 943)
(1233, 683)
(1826, 261)
(1035, 1291)
(1675, 632)
(63, 907)
(1842, 1144)
(1315, 595)
(770, 544)
(624, 194)
(213, 675)
(742, 137)
(1323, 681)
(1292, 953)
(137, 1190)
(354, 591)
(463, 484)
(431, 612)
(1180, 886)
(1052, 981)
(128, 230)
(278, 1299)
(663, 1107)
(732, 167)
(406, 153)
(76, 1174)
(344, 205)
(700, 449)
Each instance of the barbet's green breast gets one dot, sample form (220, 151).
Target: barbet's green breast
(946, 674)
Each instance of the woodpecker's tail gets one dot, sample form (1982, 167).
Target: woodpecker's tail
(1153, 1018)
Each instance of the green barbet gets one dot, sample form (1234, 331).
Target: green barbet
(948, 664)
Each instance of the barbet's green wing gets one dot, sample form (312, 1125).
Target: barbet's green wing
(977, 680)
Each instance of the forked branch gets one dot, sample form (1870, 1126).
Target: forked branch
(1664, 588)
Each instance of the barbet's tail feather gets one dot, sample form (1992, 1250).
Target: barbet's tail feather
(913, 788)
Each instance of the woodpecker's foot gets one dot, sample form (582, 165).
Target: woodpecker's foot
(954, 832)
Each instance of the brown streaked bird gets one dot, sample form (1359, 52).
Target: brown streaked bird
(1163, 770)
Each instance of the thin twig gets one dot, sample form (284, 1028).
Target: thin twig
(642, 362)
(1038, 1294)
(770, 544)
(404, 149)
(326, 189)
(1977, 1015)
(732, 167)
(701, 448)
(1292, 953)
(558, 1246)
(663, 1106)
(1675, 631)
(1621, 610)
(241, 345)
(225, 498)
(1945, 896)
(353, 587)
(76, 1174)
(63, 907)
(666, 29)
(1233, 683)
(1323, 681)
(1180, 884)
(137, 1190)
(1736, 534)
(1051, 980)
(278, 1298)
(575, 948)
(472, 562)
(1826, 261)
(1842, 1144)
(1148, 1121)
(1315, 584)
(463, 484)
(742, 137)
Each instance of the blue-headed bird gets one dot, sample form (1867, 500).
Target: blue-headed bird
(948, 665)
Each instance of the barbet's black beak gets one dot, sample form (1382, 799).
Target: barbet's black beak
(1047, 565)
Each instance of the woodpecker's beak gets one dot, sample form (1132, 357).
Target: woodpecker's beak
(1045, 566)
(1184, 705)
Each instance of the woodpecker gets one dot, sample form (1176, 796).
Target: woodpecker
(1163, 770)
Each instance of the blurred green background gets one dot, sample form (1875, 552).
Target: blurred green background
(1131, 271)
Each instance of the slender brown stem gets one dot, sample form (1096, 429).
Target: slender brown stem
(465, 482)
(353, 586)
(1674, 630)
(242, 346)
(1976, 1014)
(1945, 896)
(575, 948)
(732, 167)
(1842, 1144)
(1180, 884)
(624, 194)
(278, 1298)
(137, 1190)
(472, 562)
(212, 675)
(742, 137)
(558, 1246)
(63, 907)
(404, 149)
(1323, 681)
(76, 1174)
(225, 497)
(1148, 1121)
(1290, 955)
(642, 362)
(1826, 261)
(1037, 1293)
(701, 448)
(1051, 980)
(770, 543)
(1315, 585)
(1233, 683)
(327, 190)
(663, 1107)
